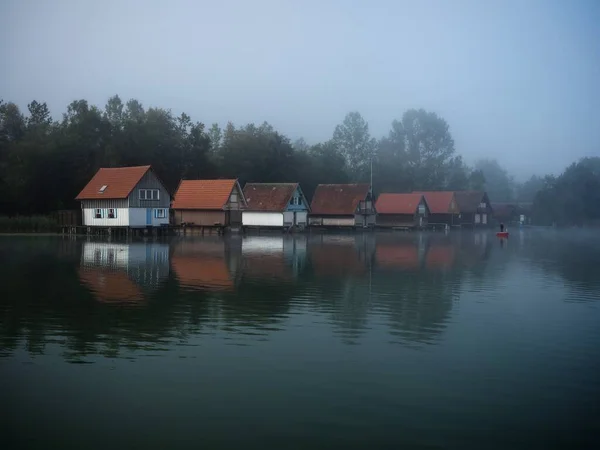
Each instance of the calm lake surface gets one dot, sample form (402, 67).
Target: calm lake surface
(392, 340)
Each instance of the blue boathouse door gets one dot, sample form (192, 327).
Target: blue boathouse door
(148, 216)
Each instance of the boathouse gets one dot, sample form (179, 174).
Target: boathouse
(512, 213)
(342, 205)
(125, 197)
(209, 203)
(275, 205)
(401, 211)
(475, 208)
(443, 208)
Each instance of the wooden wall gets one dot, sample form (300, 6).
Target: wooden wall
(205, 218)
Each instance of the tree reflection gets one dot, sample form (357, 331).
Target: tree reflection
(120, 299)
(574, 255)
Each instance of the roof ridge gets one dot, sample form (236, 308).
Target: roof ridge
(126, 167)
(126, 178)
(290, 183)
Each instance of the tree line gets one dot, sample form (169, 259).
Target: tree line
(44, 162)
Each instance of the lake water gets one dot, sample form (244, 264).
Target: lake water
(396, 340)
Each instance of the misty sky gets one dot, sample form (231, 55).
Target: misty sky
(516, 80)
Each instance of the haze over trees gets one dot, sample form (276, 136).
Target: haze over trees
(44, 162)
(572, 198)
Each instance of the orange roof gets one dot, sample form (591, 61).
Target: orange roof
(203, 194)
(398, 203)
(111, 286)
(118, 182)
(397, 255)
(338, 199)
(202, 271)
(439, 202)
(269, 196)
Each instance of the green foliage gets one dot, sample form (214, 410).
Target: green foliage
(44, 163)
(354, 142)
(419, 154)
(527, 191)
(573, 198)
(498, 184)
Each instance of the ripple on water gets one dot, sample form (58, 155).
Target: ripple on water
(454, 337)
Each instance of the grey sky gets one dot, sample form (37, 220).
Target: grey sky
(516, 80)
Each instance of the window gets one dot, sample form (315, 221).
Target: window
(112, 213)
(149, 194)
(160, 213)
(234, 197)
(102, 189)
(98, 213)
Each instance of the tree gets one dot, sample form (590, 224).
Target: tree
(498, 184)
(429, 147)
(353, 140)
(322, 163)
(12, 123)
(45, 163)
(421, 142)
(573, 198)
(458, 178)
(215, 134)
(257, 154)
(389, 168)
(476, 180)
(113, 111)
(300, 145)
(527, 191)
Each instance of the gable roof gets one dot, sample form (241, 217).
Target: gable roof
(398, 203)
(269, 196)
(119, 182)
(203, 194)
(439, 202)
(468, 201)
(338, 199)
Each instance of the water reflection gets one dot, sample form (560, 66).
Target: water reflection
(203, 265)
(403, 284)
(442, 333)
(123, 273)
(573, 256)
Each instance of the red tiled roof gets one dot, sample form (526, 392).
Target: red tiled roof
(203, 194)
(268, 196)
(398, 203)
(439, 202)
(119, 182)
(338, 199)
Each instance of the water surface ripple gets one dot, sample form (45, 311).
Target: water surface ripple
(374, 340)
